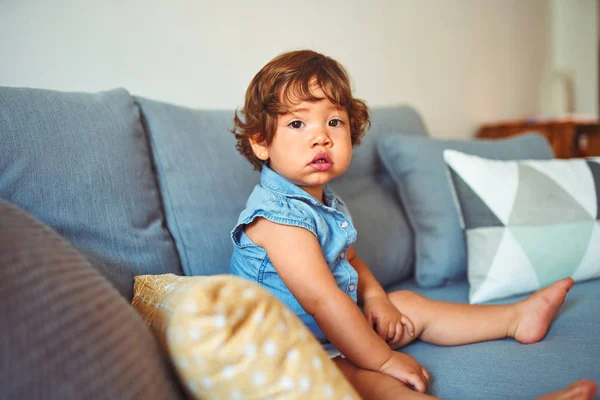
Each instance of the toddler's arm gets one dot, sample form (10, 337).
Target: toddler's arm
(367, 284)
(297, 257)
(385, 318)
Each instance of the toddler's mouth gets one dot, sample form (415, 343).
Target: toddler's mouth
(321, 158)
(321, 162)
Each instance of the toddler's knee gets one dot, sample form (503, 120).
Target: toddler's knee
(406, 297)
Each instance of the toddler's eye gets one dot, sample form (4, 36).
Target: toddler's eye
(336, 122)
(296, 124)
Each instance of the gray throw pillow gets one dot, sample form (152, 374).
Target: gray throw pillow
(66, 332)
(80, 163)
(417, 166)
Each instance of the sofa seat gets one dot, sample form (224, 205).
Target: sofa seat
(506, 369)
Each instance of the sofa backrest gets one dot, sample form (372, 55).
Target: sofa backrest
(205, 183)
(146, 187)
(385, 239)
(80, 162)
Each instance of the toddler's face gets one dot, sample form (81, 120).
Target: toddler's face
(312, 144)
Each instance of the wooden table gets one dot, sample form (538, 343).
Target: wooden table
(569, 137)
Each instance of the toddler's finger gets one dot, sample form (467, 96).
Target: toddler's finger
(426, 375)
(417, 381)
(391, 331)
(398, 334)
(410, 327)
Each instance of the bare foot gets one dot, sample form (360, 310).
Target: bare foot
(582, 389)
(536, 313)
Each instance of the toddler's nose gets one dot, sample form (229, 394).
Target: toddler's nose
(321, 139)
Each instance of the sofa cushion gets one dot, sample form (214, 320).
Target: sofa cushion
(385, 240)
(80, 163)
(505, 369)
(418, 168)
(527, 223)
(66, 332)
(205, 184)
(264, 350)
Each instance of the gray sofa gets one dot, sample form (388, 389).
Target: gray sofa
(138, 186)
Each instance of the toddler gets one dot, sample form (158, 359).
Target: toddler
(296, 238)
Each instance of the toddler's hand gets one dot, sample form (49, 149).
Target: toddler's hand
(407, 370)
(386, 320)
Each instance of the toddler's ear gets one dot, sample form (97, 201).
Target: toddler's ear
(259, 148)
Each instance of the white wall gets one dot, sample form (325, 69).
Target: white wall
(459, 62)
(574, 38)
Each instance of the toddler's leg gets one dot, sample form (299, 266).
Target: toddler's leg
(375, 385)
(449, 324)
(582, 389)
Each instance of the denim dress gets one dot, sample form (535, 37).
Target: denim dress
(282, 202)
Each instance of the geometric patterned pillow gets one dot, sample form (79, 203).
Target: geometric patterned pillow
(229, 338)
(527, 223)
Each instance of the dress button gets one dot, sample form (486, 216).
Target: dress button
(351, 287)
(344, 224)
(342, 254)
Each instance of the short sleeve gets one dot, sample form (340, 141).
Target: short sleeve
(280, 210)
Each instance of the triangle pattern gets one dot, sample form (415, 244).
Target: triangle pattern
(498, 194)
(595, 169)
(554, 251)
(574, 177)
(479, 215)
(510, 262)
(539, 200)
(590, 265)
(482, 250)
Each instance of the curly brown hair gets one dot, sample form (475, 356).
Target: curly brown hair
(286, 81)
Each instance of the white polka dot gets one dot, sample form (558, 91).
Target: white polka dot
(190, 307)
(236, 395)
(304, 384)
(183, 364)
(286, 383)
(258, 379)
(302, 335)
(193, 387)
(282, 326)
(328, 391)
(258, 317)
(220, 321)
(293, 355)
(194, 333)
(239, 314)
(316, 363)
(197, 356)
(228, 372)
(347, 397)
(249, 293)
(198, 359)
(207, 382)
(250, 350)
(226, 291)
(270, 348)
